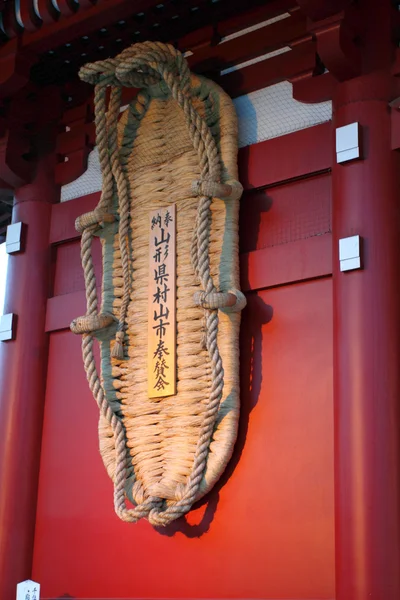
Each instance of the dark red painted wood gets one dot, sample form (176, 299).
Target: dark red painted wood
(61, 310)
(64, 215)
(92, 19)
(271, 219)
(75, 139)
(286, 213)
(271, 515)
(300, 61)
(255, 533)
(314, 89)
(337, 42)
(287, 157)
(297, 261)
(395, 68)
(261, 165)
(81, 23)
(205, 35)
(23, 364)
(68, 272)
(317, 10)
(34, 15)
(75, 166)
(289, 263)
(29, 16)
(367, 350)
(47, 11)
(250, 45)
(395, 116)
(281, 236)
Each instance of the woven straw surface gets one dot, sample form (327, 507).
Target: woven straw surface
(161, 163)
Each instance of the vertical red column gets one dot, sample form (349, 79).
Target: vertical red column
(23, 365)
(366, 201)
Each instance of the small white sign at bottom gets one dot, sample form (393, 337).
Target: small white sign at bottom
(28, 590)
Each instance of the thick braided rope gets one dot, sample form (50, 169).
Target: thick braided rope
(124, 205)
(106, 140)
(154, 62)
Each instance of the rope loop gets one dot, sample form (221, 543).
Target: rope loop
(149, 63)
(91, 323)
(240, 302)
(230, 190)
(94, 217)
(214, 300)
(232, 301)
(101, 72)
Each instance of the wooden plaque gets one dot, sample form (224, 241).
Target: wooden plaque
(162, 299)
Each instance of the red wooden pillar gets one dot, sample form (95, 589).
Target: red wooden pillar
(23, 365)
(366, 201)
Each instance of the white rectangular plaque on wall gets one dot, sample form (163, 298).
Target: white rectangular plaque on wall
(162, 299)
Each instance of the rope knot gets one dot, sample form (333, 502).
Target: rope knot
(94, 217)
(91, 323)
(100, 72)
(232, 301)
(149, 63)
(231, 190)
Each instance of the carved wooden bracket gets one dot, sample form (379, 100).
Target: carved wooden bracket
(15, 168)
(318, 10)
(15, 65)
(353, 38)
(311, 90)
(75, 142)
(16, 149)
(337, 46)
(336, 28)
(24, 121)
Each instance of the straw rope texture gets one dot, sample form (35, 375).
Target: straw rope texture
(177, 143)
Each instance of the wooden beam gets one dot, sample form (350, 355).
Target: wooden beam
(317, 10)
(301, 260)
(250, 45)
(299, 61)
(61, 310)
(64, 215)
(260, 165)
(312, 90)
(205, 36)
(286, 158)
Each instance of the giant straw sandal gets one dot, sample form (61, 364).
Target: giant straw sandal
(176, 144)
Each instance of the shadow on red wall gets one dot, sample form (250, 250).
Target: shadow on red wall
(256, 314)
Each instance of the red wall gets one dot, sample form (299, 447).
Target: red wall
(267, 531)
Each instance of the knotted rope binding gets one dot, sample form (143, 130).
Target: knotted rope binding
(140, 66)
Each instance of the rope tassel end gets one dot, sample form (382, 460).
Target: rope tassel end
(118, 348)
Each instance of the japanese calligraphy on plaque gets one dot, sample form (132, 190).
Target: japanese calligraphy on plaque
(162, 298)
